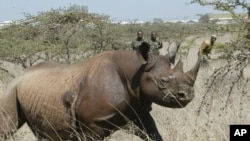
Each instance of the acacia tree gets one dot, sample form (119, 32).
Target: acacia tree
(65, 35)
(103, 34)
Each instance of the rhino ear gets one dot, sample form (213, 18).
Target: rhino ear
(143, 49)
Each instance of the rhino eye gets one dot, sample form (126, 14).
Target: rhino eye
(163, 82)
(165, 79)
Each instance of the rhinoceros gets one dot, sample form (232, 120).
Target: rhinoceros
(91, 99)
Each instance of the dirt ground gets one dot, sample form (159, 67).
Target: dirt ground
(211, 124)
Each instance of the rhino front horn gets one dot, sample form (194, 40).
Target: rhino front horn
(192, 73)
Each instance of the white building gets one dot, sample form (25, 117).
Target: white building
(225, 18)
(4, 23)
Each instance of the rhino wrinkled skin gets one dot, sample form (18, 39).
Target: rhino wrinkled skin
(89, 100)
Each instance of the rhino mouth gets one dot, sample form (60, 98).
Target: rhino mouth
(168, 96)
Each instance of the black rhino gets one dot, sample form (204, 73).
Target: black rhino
(89, 100)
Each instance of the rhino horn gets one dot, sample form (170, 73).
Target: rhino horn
(178, 66)
(192, 73)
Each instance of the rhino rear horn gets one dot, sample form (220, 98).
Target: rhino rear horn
(192, 73)
(172, 53)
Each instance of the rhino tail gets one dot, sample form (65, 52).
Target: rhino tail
(8, 112)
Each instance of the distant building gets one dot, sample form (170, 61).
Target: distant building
(78, 7)
(4, 23)
(224, 18)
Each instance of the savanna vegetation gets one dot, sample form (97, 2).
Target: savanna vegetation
(71, 35)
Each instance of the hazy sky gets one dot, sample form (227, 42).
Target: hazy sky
(117, 9)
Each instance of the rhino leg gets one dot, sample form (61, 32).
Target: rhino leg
(146, 123)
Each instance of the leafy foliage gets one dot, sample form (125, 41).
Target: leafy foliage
(62, 35)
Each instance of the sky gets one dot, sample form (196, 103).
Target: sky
(118, 10)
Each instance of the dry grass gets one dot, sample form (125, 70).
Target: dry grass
(206, 118)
